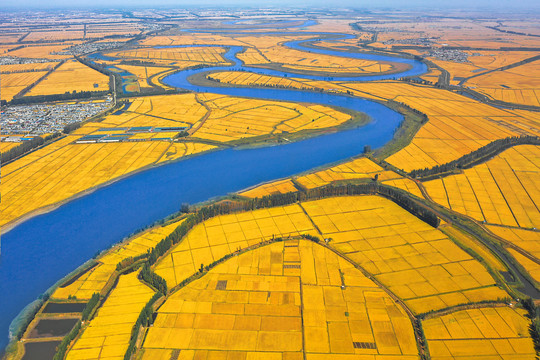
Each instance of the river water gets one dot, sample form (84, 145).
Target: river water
(45, 248)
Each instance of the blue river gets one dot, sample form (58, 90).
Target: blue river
(45, 248)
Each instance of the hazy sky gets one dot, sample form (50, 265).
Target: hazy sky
(516, 4)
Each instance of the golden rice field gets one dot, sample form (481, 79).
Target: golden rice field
(252, 56)
(108, 334)
(63, 169)
(43, 51)
(29, 67)
(14, 83)
(5, 146)
(360, 168)
(96, 278)
(212, 55)
(281, 301)
(163, 110)
(270, 48)
(418, 263)
(71, 76)
(520, 85)
(498, 333)
(457, 124)
(57, 35)
(191, 39)
(234, 118)
(532, 267)
(528, 240)
(143, 73)
(490, 60)
(276, 187)
(504, 190)
(221, 235)
(471, 243)
(245, 78)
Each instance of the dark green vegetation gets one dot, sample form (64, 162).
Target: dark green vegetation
(75, 95)
(534, 327)
(146, 318)
(90, 307)
(27, 146)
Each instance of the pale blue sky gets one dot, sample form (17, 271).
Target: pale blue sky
(511, 4)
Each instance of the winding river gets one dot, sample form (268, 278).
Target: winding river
(43, 249)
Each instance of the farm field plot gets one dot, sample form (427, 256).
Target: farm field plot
(59, 35)
(528, 240)
(191, 39)
(29, 67)
(457, 125)
(143, 72)
(502, 191)
(276, 187)
(5, 146)
(271, 49)
(532, 267)
(361, 168)
(222, 235)
(108, 335)
(281, 301)
(167, 110)
(237, 118)
(418, 263)
(13, 83)
(211, 55)
(41, 51)
(96, 278)
(520, 85)
(71, 76)
(498, 333)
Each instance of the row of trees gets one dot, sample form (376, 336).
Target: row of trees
(478, 156)
(146, 318)
(534, 326)
(57, 97)
(26, 146)
(63, 346)
(90, 306)
(153, 279)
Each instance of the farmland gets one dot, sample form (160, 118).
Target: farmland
(108, 334)
(172, 56)
(495, 333)
(456, 123)
(282, 237)
(357, 169)
(276, 302)
(501, 191)
(71, 76)
(13, 83)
